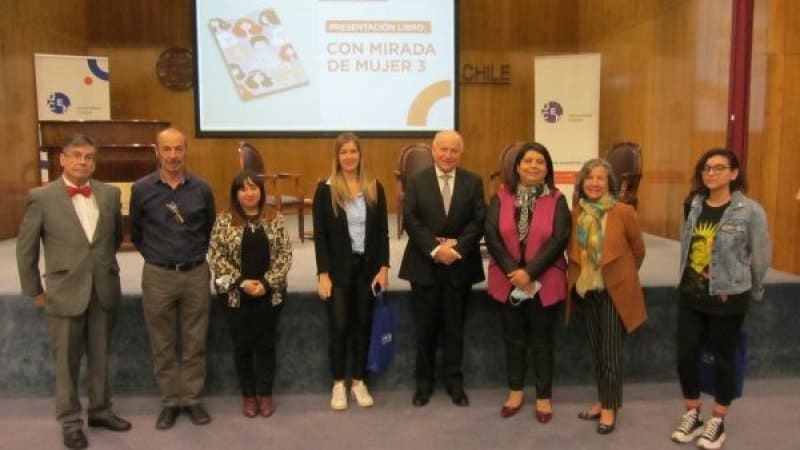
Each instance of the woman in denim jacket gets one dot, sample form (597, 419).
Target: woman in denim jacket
(725, 252)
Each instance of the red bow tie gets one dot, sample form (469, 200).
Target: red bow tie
(85, 190)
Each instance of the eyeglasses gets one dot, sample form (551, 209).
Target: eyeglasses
(711, 170)
(78, 156)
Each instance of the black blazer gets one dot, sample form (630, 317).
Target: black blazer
(332, 245)
(424, 221)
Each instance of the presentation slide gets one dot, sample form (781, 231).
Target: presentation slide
(317, 67)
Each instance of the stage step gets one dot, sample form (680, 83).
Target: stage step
(302, 350)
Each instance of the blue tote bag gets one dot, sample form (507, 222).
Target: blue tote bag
(384, 330)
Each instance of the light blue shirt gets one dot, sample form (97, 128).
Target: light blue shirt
(356, 210)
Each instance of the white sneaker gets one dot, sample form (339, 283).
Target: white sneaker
(690, 427)
(361, 394)
(339, 396)
(713, 436)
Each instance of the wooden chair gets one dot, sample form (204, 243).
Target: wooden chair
(250, 159)
(626, 161)
(413, 158)
(505, 165)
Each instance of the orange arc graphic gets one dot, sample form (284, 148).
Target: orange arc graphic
(423, 102)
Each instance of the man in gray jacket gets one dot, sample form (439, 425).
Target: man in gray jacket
(78, 221)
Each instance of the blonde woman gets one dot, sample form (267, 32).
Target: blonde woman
(605, 253)
(351, 243)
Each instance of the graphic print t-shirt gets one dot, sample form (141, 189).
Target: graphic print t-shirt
(694, 283)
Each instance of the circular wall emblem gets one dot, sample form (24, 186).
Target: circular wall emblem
(58, 102)
(552, 112)
(174, 69)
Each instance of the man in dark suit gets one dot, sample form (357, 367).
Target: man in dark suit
(78, 221)
(443, 212)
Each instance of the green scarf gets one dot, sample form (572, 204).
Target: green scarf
(590, 227)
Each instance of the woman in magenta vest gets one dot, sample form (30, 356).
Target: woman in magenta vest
(527, 230)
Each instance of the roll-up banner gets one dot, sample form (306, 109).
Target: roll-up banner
(70, 88)
(567, 105)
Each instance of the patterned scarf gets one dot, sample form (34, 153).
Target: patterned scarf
(525, 201)
(590, 228)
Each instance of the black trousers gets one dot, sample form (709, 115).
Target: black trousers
(529, 323)
(441, 306)
(253, 328)
(723, 333)
(606, 336)
(350, 311)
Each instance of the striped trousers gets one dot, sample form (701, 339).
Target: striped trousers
(606, 335)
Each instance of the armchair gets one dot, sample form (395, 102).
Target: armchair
(413, 158)
(626, 161)
(250, 159)
(505, 165)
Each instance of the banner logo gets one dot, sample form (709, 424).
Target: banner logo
(552, 112)
(58, 102)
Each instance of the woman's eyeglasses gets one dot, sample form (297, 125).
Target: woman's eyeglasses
(711, 170)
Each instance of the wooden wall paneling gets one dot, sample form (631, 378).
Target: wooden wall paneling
(764, 159)
(657, 90)
(589, 28)
(763, 148)
(53, 20)
(139, 23)
(37, 26)
(785, 212)
(507, 31)
(790, 12)
(774, 163)
(786, 207)
(659, 85)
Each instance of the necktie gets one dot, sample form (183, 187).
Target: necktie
(447, 195)
(84, 190)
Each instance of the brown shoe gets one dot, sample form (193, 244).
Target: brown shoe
(249, 406)
(75, 439)
(265, 406)
(167, 416)
(508, 411)
(198, 414)
(544, 416)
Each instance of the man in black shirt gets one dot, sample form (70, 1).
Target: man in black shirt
(172, 213)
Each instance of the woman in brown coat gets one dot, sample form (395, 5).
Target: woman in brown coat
(605, 252)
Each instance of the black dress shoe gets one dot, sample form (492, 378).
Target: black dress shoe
(586, 415)
(458, 396)
(421, 398)
(166, 419)
(113, 422)
(605, 429)
(75, 439)
(198, 414)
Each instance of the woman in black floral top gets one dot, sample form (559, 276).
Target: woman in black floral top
(250, 257)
